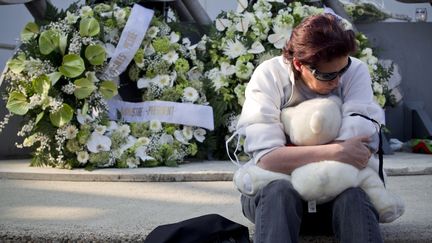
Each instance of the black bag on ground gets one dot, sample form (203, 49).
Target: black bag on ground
(211, 228)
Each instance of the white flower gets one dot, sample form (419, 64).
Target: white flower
(171, 57)
(164, 81)
(166, 139)
(109, 49)
(83, 118)
(256, 48)
(187, 43)
(91, 76)
(180, 137)
(234, 49)
(124, 130)
(100, 129)
(141, 152)
(144, 83)
(71, 132)
(194, 74)
(149, 50)
(190, 94)
(86, 11)
(227, 69)
(71, 18)
(174, 37)
(152, 32)
(219, 82)
(112, 126)
(82, 157)
(120, 15)
(199, 134)
(222, 24)
(378, 88)
(241, 5)
(242, 25)
(155, 126)
(98, 143)
(187, 132)
(143, 141)
(280, 36)
(132, 162)
(367, 52)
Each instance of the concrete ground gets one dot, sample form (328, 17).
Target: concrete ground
(124, 205)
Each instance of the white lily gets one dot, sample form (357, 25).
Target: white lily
(166, 139)
(256, 48)
(222, 24)
(98, 143)
(180, 137)
(242, 25)
(141, 152)
(227, 69)
(187, 132)
(280, 36)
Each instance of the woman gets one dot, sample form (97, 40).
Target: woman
(315, 63)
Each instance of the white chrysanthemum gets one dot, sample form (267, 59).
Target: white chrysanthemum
(71, 132)
(100, 129)
(164, 81)
(174, 37)
(152, 32)
(190, 94)
(82, 157)
(234, 49)
(71, 18)
(199, 134)
(124, 130)
(180, 137)
(143, 141)
(98, 143)
(171, 57)
(86, 11)
(155, 126)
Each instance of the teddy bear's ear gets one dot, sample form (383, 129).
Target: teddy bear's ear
(316, 122)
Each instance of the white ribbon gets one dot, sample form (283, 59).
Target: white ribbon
(130, 40)
(164, 111)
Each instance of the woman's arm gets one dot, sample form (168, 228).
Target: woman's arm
(286, 159)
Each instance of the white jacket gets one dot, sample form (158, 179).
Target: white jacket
(272, 87)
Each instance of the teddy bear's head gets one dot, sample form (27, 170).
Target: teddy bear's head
(313, 122)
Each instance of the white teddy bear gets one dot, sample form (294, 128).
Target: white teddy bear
(313, 122)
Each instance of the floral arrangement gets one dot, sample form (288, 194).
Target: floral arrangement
(362, 11)
(254, 33)
(55, 82)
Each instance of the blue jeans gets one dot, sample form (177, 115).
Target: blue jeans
(280, 215)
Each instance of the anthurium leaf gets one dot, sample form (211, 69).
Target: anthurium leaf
(17, 103)
(41, 84)
(89, 27)
(39, 117)
(29, 32)
(108, 89)
(95, 54)
(62, 116)
(48, 41)
(54, 77)
(83, 88)
(16, 65)
(72, 66)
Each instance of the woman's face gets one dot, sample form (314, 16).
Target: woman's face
(323, 87)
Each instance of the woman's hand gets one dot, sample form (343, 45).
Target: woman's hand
(354, 151)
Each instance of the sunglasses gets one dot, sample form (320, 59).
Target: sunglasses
(326, 77)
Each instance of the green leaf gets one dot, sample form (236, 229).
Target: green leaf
(54, 77)
(16, 65)
(95, 54)
(39, 117)
(83, 88)
(85, 108)
(89, 27)
(29, 32)
(72, 66)
(41, 85)
(108, 89)
(62, 116)
(17, 103)
(48, 41)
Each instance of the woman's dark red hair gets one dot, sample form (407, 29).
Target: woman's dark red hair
(319, 38)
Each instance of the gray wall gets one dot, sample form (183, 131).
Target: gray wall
(410, 46)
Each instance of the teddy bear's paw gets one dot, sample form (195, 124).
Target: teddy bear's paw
(393, 211)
